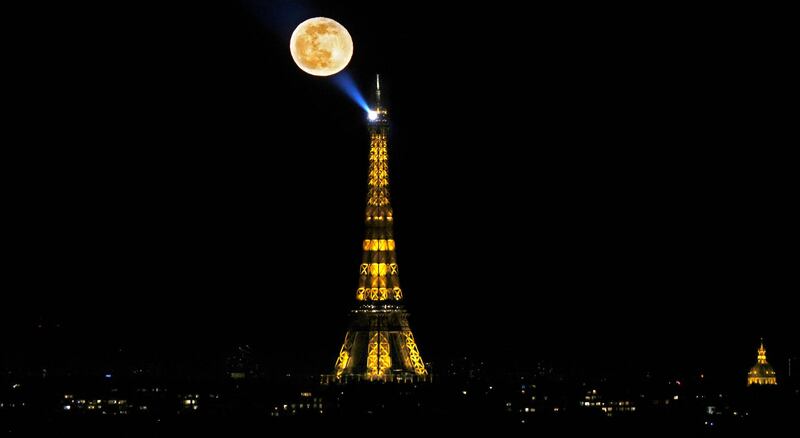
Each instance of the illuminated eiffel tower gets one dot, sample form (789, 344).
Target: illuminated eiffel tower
(379, 345)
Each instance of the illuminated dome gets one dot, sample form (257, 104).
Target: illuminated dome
(762, 372)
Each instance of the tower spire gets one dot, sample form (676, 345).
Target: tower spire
(377, 90)
(379, 115)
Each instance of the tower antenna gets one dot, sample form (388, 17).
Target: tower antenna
(377, 90)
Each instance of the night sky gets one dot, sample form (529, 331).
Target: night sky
(602, 188)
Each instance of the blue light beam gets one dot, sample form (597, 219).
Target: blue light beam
(345, 82)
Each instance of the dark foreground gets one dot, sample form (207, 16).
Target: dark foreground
(240, 408)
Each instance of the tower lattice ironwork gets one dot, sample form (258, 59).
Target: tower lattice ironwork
(379, 344)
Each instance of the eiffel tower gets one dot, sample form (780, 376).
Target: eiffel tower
(379, 345)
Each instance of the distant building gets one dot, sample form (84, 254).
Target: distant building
(241, 364)
(593, 400)
(762, 372)
(308, 404)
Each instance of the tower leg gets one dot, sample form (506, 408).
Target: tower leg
(344, 355)
(413, 353)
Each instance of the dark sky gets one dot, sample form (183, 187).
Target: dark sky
(608, 187)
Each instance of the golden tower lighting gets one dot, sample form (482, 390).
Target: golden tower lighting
(379, 345)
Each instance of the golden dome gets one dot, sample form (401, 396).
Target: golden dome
(762, 372)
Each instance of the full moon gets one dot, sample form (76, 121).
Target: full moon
(321, 46)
